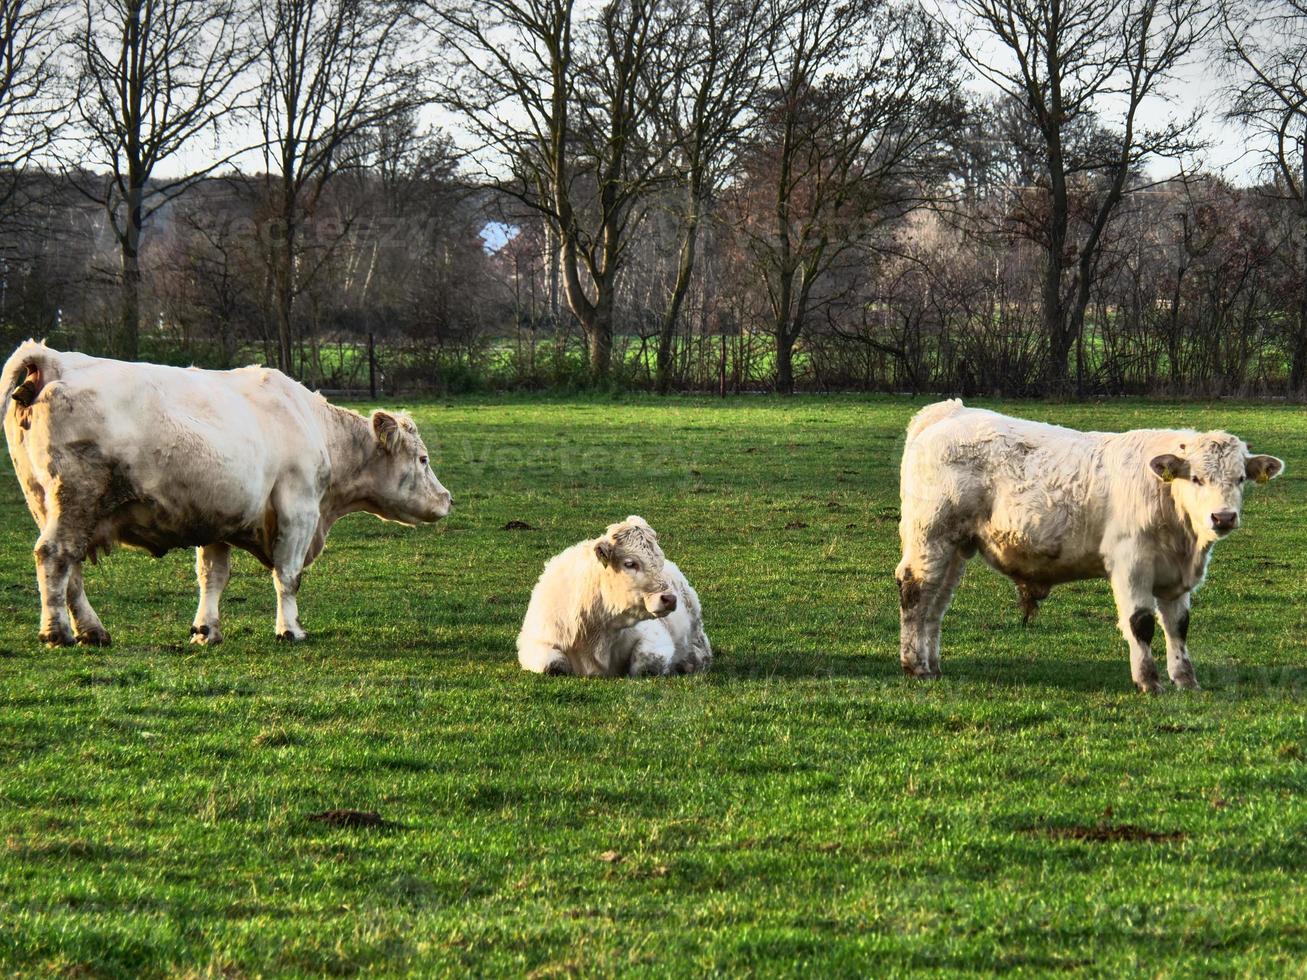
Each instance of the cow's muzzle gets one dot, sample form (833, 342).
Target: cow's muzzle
(663, 604)
(1225, 521)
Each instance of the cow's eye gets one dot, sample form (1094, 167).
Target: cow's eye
(632, 564)
(1196, 480)
(424, 460)
(1240, 480)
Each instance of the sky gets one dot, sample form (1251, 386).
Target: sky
(1199, 85)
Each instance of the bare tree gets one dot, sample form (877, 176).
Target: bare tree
(154, 76)
(34, 99)
(862, 94)
(1063, 61)
(330, 70)
(1266, 42)
(563, 111)
(717, 57)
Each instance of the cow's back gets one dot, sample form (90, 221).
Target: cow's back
(1026, 494)
(191, 454)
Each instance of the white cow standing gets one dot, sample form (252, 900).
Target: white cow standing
(614, 606)
(154, 457)
(1045, 505)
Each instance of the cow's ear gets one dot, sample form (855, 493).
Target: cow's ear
(1168, 467)
(604, 551)
(1263, 468)
(385, 427)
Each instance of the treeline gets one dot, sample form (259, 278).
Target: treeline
(680, 194)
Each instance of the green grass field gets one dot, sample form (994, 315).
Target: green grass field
(801, 809)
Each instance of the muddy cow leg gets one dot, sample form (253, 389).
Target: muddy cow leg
(926, 583)
(1175, 622)
(1134, 606)
(86, 624)
(59, 549)
(652, 655)
(212, 570)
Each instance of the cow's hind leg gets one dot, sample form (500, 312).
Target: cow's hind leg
(1175, 622)
(212, 570)
(294, 535)
(88, 629)
(699, 655)
(1134, 606)
(57, 553)
(926, 583)
(543, 658)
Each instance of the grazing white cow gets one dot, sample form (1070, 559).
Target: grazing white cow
(158, 458)
(614, 606)
(1045, 505)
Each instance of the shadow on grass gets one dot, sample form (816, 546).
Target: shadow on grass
(1076, 674)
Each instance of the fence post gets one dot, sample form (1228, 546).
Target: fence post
(721, 367)
(372, 367)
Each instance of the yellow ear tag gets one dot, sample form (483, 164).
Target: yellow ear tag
(1168, 475)
(1263, 477)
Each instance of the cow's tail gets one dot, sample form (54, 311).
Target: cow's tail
(29, 369)
(931, 414)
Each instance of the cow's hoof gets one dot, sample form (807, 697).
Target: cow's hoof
(292, 636)
(921, 673)
(1149, 687)
(558, 668)
(56, 637)
(94, 636)
(205, 635)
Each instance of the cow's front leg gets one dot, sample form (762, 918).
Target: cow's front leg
(653, 652)
(294, 534)
(55, 559)
(1134, 606)
(1175, 622)
(934, 616)
(213, 571)
(87, 627)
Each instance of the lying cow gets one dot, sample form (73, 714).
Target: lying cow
(158, 458)
(614, 606)
(1045, 505)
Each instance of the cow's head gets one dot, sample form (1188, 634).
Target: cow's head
(633, 580)
(403, 487)
(1207, 475)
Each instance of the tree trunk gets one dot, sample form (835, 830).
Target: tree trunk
(784, 363)
(128, 342)
(684, 270)
(1298, 366)
(284, 281)
(1054, 311)
(599, 338)
(284, 302)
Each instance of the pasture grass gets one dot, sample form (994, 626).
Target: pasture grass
(801, 809)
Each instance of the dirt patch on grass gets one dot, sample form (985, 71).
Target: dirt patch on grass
(1108, 833)
(518, 526)
(353, 819)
